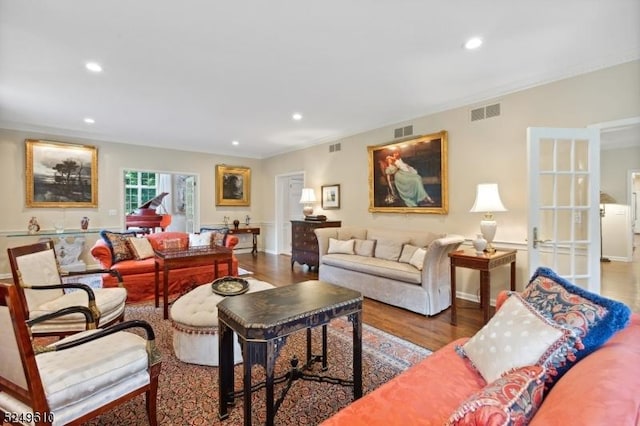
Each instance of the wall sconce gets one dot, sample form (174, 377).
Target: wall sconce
(487, 202)
(308, 198)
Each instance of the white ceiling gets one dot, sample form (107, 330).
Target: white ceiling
(195, 75)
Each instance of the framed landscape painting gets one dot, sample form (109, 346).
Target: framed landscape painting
(409, 176)
(61, 175)
(233, 185)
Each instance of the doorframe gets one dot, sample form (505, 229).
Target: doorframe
(196, 201)
(281, 190)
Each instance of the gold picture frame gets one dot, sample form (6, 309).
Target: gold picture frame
(61, 174)
(233, 185)
(409, 176)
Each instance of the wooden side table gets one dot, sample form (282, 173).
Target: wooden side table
(248, 230)
(484, 263)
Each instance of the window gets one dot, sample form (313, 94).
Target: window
(139, 187)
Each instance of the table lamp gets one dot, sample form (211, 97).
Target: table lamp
(308, 198)
(487, 202)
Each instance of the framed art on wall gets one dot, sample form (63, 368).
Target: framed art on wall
(409, 176)
(233, 185)
(330, 197)
(61, 174)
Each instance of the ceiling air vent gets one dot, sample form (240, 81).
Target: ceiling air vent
(485, 112)
(403, 131)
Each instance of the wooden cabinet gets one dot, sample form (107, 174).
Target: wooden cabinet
(304, 244)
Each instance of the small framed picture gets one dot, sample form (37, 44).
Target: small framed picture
(330, 197)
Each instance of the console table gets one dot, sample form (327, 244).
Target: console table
(484, 263)
(304, 244)
(254, 231)
(263, 321)
(67, 252)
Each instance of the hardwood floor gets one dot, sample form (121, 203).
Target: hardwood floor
(620, 281)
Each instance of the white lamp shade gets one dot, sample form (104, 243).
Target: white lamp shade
(308, 196)
(487, 199)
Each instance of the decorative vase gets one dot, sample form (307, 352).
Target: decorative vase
(33, 226)
(236, 223)
(247, 220)
(84, 223)
(479, 244)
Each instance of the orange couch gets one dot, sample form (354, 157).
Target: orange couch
(601, 389)
(139, 275)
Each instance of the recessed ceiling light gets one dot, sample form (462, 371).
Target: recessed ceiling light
(235, 143)
(297, 116)
(93, 66)
(473, 43)
(89, 120)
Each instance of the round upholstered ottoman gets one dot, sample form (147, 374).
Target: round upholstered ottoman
(194, 318)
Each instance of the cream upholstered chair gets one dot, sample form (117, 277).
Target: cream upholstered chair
(37, 275)
(74, 379)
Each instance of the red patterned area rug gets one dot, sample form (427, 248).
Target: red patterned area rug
(188, 393)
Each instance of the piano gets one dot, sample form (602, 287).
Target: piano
(146, 218)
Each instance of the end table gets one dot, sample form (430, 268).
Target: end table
(484, 263)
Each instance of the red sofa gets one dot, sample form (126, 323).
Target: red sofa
(139, 275)
(601, 389)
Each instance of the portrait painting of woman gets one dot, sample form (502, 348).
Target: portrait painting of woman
(409, 176)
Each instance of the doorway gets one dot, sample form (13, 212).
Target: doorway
(139, 186)
(288, 192)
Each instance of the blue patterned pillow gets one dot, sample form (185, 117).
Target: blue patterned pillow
(593, 318)
(218, 235)
(118, 243)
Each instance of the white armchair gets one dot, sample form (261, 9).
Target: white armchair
(38, 278)
(74, 379)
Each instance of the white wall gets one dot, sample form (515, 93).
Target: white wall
(491, 150)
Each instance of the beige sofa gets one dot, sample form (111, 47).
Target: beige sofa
(387, 265)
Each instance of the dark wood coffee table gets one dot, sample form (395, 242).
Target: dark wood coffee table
(193, 256)
(264, 319)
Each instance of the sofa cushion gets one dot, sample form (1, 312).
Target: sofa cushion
(417, 260)
(341, 246)
(218, 235)
(374, 266)
(364, 247)
(388, 243)
(407, 252)
(199, 240)
(602, 389)
(118, 244)
(593, 318)
(140, 247)
(517, 336)
(511, 400)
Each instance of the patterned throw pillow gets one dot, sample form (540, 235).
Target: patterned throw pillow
(515, 337)
(140, 248)
(118, 243)
(407, 251)
(218, 235)
(513, 399)
(593, 318)
(172, 244)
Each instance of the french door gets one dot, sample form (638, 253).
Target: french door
(564, 215)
